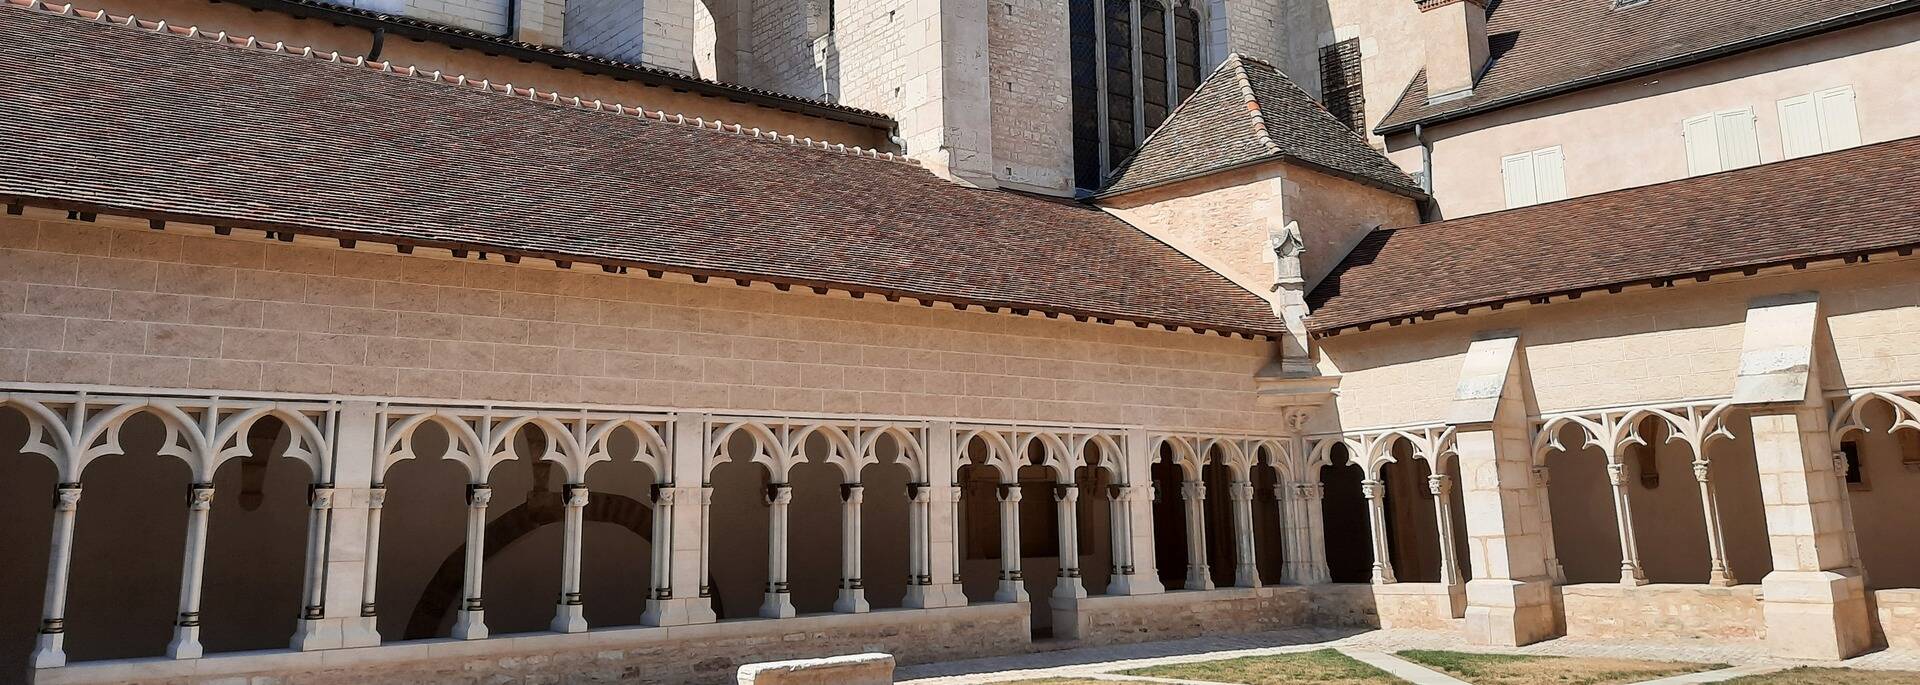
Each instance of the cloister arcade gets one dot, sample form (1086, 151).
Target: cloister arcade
(332, 523)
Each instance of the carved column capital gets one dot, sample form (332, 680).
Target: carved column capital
(200, 496)
(576, 494)
(1617, 474)
(919, 492)
(1370, 489)
(1542, 476)
(853, 493)
(1700, 471)
(478, 496)
(1010, 493)
(1066, 493)
(320, 497)
(1193, 490)
(1439, 484)
(376, 497)
(66, 497)
(779, 493)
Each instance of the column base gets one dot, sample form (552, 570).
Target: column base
(777, 605)
(851, 601)
(50, 650)
(678, 612)
(1816, 614)
(1066, 613)
(1510, 613)
(1246, 575)
(1383, 574)
(1135, 584)
(934, 596)
(1633, 576)
(185, 644)
(569, 618)
(1199, 578)
(362, 631)
(470, 625)
(319, 633)
(1011, 591)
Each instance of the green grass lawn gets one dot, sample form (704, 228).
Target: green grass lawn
(1518, 669)
(1807, 675)
(1321, 666)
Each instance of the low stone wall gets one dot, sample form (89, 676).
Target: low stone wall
(1426, 606)
(1183, 614)
(685, 654)
(1606, 610)
(850, 669)
(1899, 617)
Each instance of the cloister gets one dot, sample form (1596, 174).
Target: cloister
(326, 523)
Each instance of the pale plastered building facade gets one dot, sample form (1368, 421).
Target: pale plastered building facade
(513, 347)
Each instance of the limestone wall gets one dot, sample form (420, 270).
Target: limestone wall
(1611, 611)
(1899, 617)
(1392, 50)
(1177, 615)
(689, 654)
(1640, 346)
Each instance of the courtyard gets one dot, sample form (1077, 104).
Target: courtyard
(1422, 657)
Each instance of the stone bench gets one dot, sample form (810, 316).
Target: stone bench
(850, 669)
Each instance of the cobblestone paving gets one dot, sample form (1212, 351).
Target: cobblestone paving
(1091, 661)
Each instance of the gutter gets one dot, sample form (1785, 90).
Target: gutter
(1819, 27)
(504, 46)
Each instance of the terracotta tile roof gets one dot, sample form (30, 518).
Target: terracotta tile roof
(159, 125)
(463, 38)
(1544, 47)
(1841, 203)
(1247, 112)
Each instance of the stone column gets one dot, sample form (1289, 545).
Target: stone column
(1716, 538)
(1313, 532)
(938, 502)
(1375, 492)
(186, 631)
(470, 622)
(919, 575)
(680, 517)
(569, 614)
(853, 597)
(1066, 499)
(1441, 487)
(1135, 512)
(1246, 568)
(313, 591)
(1630, 572)
(779, 600)
(1199, 576)
(660, 608)
(1293, 555)
(366, 633)
(957, 518)
(1013, 586)
(49, 650)
(1120, 576)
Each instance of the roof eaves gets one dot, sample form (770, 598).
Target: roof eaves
(1756, 42)
(348, 238)
(491, 44)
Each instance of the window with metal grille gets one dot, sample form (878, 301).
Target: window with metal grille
(1340, 87)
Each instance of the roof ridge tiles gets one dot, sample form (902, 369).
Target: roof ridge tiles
(72, 10)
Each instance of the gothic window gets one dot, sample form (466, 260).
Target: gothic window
(1340, 83)
(1133, 61)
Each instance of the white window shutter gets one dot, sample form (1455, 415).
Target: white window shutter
(1838, 120)
(1739, 142)
(1800, 127)
(1703, 145)
(1549, 175)
(1517, 172)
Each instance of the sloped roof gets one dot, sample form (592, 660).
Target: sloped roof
(161, 125)
(1542, 48)
(1840, 203)
(1247, 112)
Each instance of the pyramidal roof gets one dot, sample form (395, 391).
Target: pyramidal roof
(1248, 112)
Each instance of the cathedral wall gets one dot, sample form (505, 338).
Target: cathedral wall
(1029, 60)
(130, 306)
(785, 58)
(1257, 29)
(874, 39)
(1637, 347)
(1391, 49)
(1335, 214)
(323, 36)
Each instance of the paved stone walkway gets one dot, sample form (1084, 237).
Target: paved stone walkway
(1102, 663)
